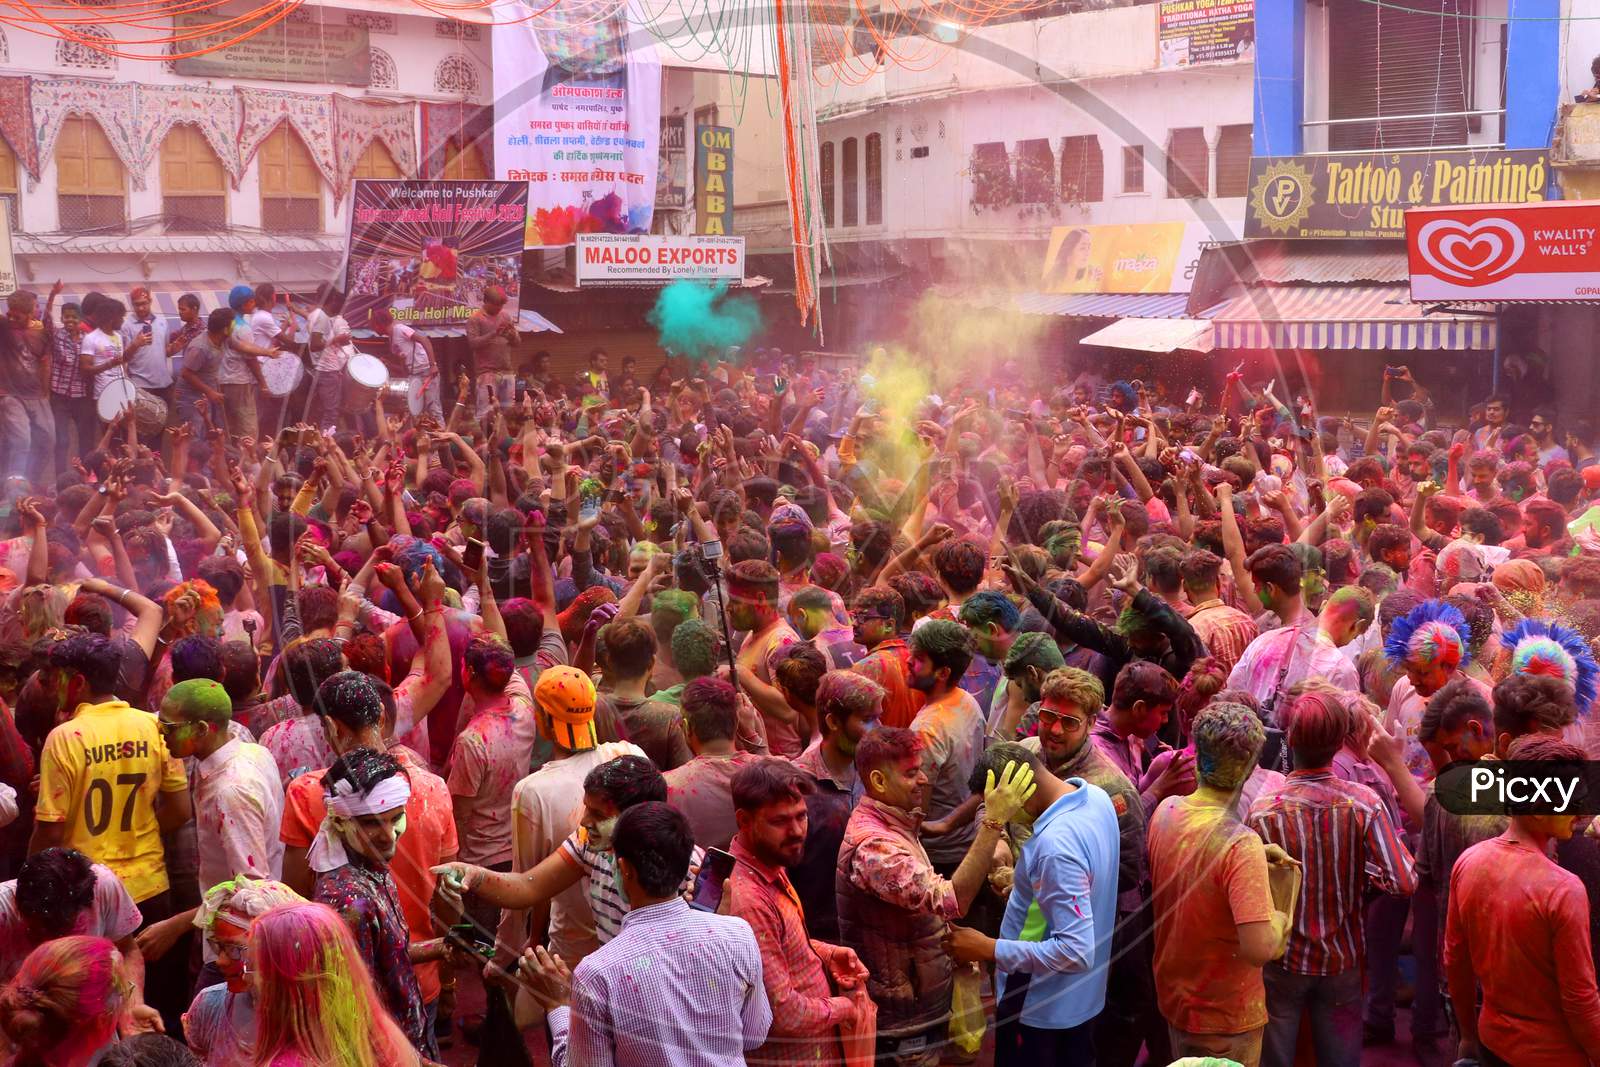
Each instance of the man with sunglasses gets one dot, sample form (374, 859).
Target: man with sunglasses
(238, 802)
(1542, 428)
(1070, 702)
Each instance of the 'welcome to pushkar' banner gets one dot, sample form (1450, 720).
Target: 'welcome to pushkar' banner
(1367, 195)
(429, 249)
(577, 117)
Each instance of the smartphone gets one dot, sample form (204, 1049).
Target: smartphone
(714, 872)
(472, 556)
(589, 508)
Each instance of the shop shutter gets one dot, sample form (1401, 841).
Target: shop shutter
(1386, 60)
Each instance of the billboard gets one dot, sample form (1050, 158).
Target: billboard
(641, 259)
(314, 50)
(1547, 251)
(1192, 32)
(1144, 257)
(428, 249)
(672, 173)
(577, 117)
(1367, 196)
(713, 179)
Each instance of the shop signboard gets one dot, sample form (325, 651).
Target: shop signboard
(1192, 32)
(1367, 196)
(650, 259)
(1548, 251)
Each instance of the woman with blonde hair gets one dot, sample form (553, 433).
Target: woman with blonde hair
(316, 1005)
(63, 1006)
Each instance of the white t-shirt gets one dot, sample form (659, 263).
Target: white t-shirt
(264, 329)
(112, 915)
(330, 357)
(403, 343)
(104, 347)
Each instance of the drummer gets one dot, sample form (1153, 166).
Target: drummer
(240, 372)
(329, 348)
(416, 356)
(104, 355)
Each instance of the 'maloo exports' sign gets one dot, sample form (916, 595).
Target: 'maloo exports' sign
(633, 259)
(1368, 196)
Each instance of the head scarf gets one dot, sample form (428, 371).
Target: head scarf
(236, 298)
(327, 851)
(1523, 583)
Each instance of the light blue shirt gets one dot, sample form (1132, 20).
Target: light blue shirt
(1062, 910)
(150, 367)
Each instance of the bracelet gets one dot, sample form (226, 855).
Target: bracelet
(414, 618)
(996, 825)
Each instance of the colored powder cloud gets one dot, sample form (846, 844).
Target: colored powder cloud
(695, 319)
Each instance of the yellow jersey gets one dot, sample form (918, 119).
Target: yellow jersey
(99, 775)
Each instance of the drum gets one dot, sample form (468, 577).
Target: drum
(149, 412)
(117, 398)
(397, 395)
(282, 374)
(367, 371)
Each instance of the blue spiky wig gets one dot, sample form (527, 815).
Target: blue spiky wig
(1554, 651)
(1431, 633)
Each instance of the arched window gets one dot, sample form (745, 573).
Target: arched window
(291, 185)
(91, 188)
(874, 181)
(384, 74)
(464, 162)
(849, 211)
(827, 183)
(456, 74)
(376, 162)
(5, 48)
(81, 56)
(194, 196)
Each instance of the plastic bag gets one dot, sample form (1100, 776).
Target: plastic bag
(967, 1021)
(859, 1036)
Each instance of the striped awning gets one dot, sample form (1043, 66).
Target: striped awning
(1377, 317)
(1103, 305)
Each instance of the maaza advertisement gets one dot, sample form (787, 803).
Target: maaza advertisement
(1145, 257)
(1366, 196)
(429, 249)
(577, 116)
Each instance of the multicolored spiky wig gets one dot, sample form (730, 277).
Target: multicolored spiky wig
(1554, 651)
(1432, 633)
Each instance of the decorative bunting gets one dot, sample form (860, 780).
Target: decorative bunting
(16, 123)
(357, 123)
(215, 112)
(114, 105)
(311, 116)
(465, 123)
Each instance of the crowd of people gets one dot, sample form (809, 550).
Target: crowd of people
(755, 715)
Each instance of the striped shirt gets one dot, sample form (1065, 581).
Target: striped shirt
(1342, 834)
(599, 869)
(1225, 631)
(65, 377)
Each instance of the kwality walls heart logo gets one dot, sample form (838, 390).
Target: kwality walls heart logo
(1471, 253)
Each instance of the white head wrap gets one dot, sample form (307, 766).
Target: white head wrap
(327, 851)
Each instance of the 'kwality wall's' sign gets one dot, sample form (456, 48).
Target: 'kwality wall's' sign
(1367, 195)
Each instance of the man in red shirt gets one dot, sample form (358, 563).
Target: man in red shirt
(800, 973)
(876, 617)
(1519, 926)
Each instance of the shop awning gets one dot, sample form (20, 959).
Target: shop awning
(1345, 317)
(1154, 335)
(1103, 305)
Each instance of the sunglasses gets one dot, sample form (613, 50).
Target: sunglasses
(1051, 718)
